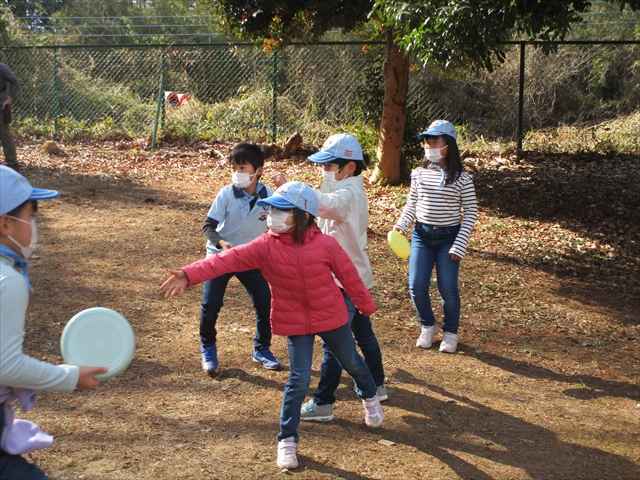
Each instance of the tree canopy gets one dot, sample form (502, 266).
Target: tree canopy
(285, 20)
(471, 33)
(113, 21)
(36, 10)
(442, 33)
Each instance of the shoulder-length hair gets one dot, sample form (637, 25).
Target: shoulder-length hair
(453, 160)
(301, 222)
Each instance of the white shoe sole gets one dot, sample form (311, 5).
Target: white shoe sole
(326, 418)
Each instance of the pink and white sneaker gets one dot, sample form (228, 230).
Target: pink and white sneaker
(373, 415)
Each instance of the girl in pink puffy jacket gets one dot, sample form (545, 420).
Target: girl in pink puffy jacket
(299, 262)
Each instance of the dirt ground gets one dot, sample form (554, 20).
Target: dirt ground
(544, 385)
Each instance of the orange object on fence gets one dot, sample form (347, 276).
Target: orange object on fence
(176, 99)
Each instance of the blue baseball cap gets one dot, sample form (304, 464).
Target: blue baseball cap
(340, 146)
(15, 190)
(439, 128)
(293, 195)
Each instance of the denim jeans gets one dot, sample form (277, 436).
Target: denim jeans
(13, 467)
(331, 370)
(341, 343)
(430, 246)
(212, 301)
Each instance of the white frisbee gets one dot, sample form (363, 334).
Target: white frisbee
(98, 337)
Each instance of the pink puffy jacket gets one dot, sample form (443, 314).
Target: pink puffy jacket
(304, 296)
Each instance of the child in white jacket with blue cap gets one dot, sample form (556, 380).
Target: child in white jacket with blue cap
(343, 213)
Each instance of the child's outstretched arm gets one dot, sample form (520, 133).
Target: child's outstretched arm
(237, 259)
(176, 283)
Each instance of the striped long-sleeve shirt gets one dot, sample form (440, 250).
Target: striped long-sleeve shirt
(454, 204)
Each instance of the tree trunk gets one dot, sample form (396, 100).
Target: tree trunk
(394, 115)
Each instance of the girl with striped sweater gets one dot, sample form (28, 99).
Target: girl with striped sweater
(442, 203)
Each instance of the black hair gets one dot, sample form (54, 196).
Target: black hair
(247, 153)
(360, 164)
(16, 211)
(452, 158)
(301, 222)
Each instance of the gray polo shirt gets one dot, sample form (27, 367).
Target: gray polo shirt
(235, 218)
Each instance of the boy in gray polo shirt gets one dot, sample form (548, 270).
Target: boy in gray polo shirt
(234, 219)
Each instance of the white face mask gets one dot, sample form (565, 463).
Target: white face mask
(277, 220)
(28, 250)
(329, 177)
(242, 180)
(434, 154)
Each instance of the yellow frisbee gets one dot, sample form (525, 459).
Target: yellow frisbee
(399, 244)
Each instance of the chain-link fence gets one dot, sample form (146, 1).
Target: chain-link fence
(233, 90)
(238, 91)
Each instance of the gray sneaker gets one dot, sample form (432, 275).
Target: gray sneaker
(380, 390)
(319, 413)
(382, 393)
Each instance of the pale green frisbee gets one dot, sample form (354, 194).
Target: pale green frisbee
(99, 337)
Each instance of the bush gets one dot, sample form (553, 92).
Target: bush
(616, 136)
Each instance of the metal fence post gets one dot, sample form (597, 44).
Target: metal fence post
(160, 99)
(274, 99)
(55, 91)
(521, 98)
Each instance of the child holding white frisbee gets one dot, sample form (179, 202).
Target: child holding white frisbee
(21, 375)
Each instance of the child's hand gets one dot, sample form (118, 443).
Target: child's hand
(398, 229)
(278, 179)
(223, 244)
(86, 380)
(176, 283)
(454, 257)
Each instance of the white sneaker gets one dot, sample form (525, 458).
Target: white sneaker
(426, 336)
(287, 453)
(373, 415)
(449, 343)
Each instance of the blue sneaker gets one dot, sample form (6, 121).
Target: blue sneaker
(210, 359)
(267, 359)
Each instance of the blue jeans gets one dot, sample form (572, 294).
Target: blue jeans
(341, 343)
(212, 301)
(331, 370)
(430, 246)
(13, 467)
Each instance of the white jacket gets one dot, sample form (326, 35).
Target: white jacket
(343, 213)
(16, 368)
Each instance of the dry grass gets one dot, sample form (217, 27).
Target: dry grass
(545, 384)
